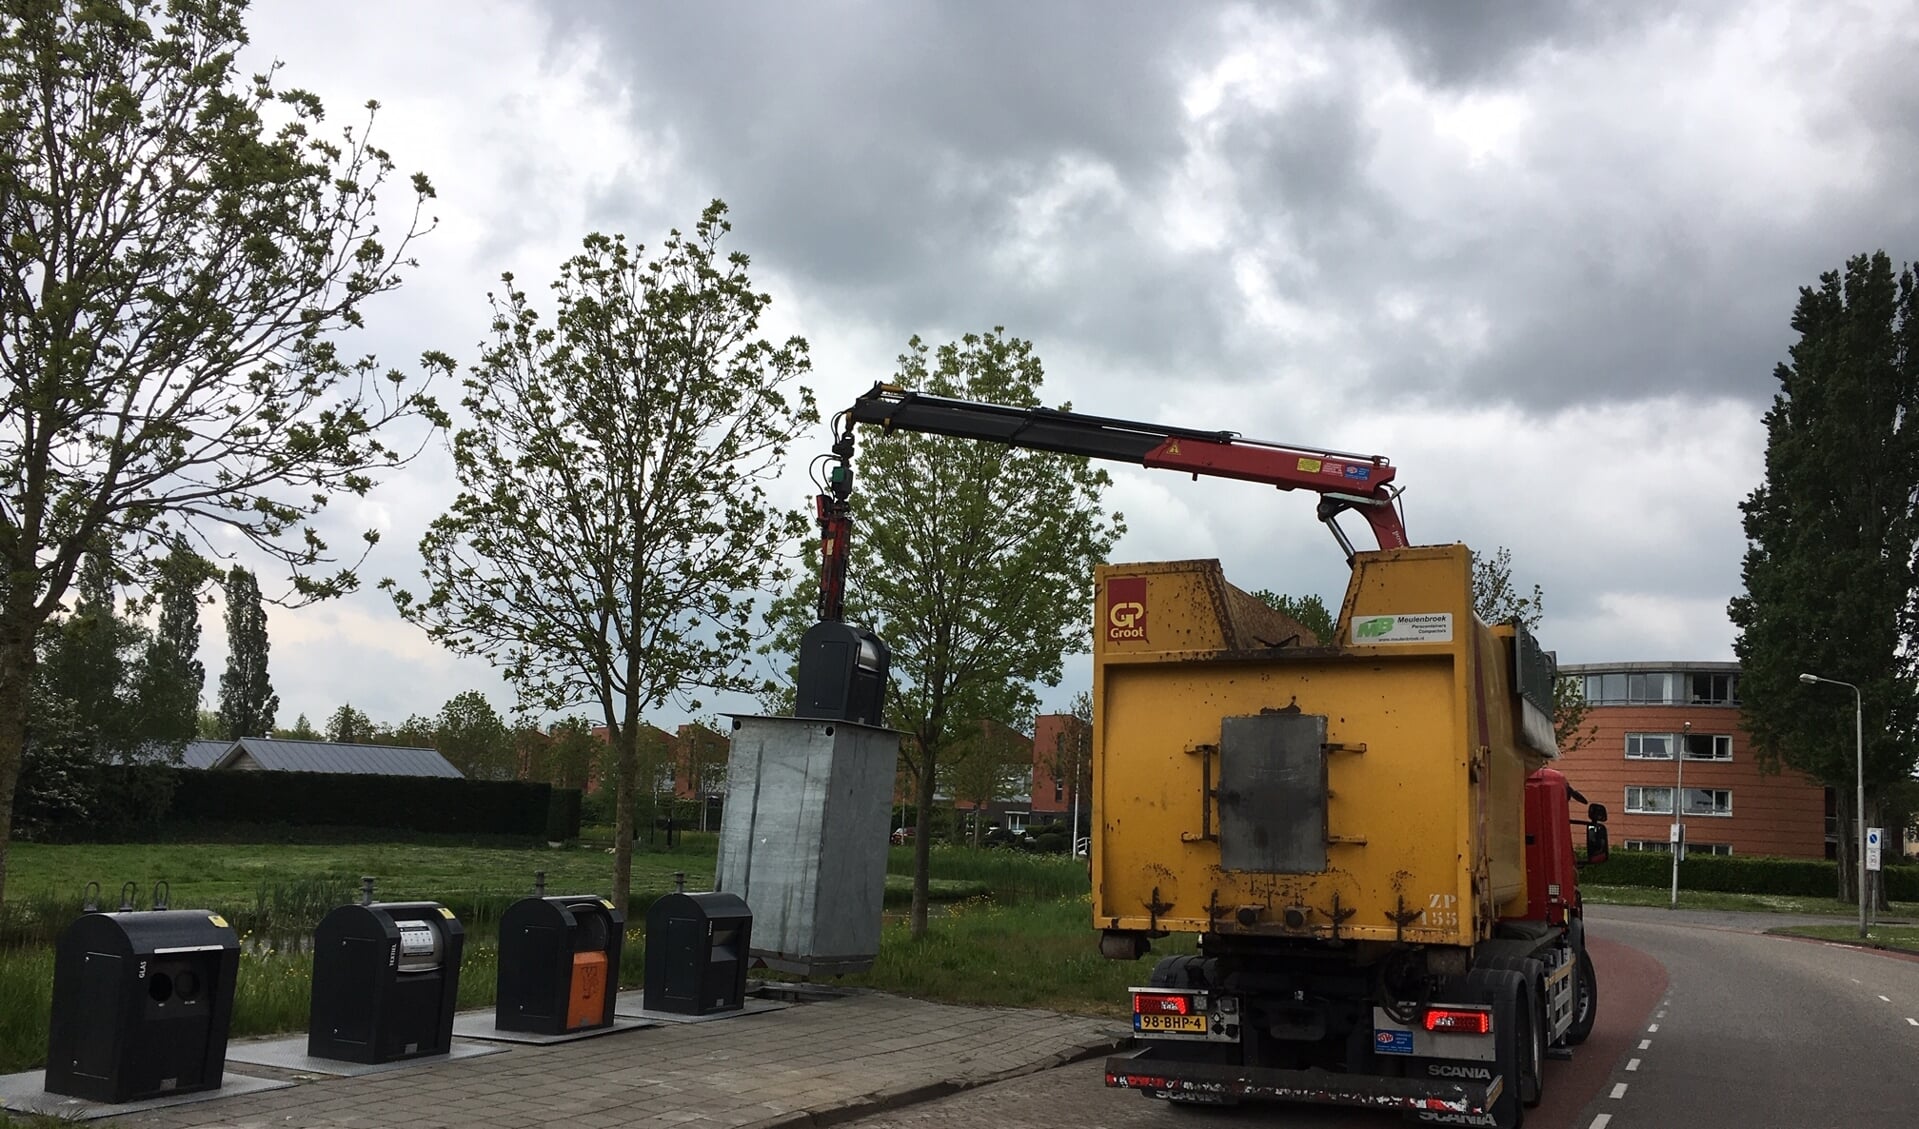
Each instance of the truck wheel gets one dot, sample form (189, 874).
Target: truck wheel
(1514, 1035)
(1585, 1001)
(1532, 1056)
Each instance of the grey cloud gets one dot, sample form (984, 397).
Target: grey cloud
(1462, 42)
(873, 154)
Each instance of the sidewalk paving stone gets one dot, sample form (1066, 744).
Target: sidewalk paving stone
(811, 1064)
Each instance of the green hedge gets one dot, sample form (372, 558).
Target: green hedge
(563, 814)
(419, 803)
(199, 797)
(1736, 874)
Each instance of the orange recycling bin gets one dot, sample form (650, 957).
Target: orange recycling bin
(559, 964)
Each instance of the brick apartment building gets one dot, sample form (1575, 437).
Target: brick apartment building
(1644, 714)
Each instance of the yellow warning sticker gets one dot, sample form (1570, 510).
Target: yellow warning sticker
(446, 913)
(217, 920)
(1310, 466)
(607, 902)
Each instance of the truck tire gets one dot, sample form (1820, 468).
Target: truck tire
(1585, 1000)
(1514, 1034)
(1532, 1059)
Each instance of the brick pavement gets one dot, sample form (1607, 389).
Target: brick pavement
(812, 1064)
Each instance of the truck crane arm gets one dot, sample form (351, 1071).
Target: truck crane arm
(1343, 480)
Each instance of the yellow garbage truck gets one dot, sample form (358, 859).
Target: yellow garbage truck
(1362, 836)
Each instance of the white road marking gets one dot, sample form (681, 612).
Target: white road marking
(1619, 1090)
(1633, 1064)
(1602, 1121)
(1652, 1028)
(1662, 1014)
(1888, 999)
(1644, 1043)
(1854, 979)
(1912, 1021)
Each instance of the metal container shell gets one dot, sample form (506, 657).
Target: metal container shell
(1424, 827)
(371, 1002)
(142, 1004)
(538, 986)
(804, 838)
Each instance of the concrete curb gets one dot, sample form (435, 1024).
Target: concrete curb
(881, 1101)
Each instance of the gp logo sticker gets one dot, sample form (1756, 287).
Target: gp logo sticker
(1126, 609)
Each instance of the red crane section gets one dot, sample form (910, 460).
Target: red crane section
(1343, 480)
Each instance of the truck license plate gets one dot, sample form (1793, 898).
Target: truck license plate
(1181, 1024)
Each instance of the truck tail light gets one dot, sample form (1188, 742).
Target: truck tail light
(1160, 1003)
(1459, 1021)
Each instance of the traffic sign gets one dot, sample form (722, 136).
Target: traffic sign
(1873, 835)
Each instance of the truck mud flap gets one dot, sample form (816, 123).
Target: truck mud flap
(1207, 1081)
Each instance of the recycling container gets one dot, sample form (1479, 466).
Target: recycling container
(386, 976)
(696, 953)
(141, 1004)
(841, 673)
(559, 964)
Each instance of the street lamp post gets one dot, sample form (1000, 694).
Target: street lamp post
(1678, 837)
(1859, 811)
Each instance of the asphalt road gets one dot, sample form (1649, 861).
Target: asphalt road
(1703, 1022)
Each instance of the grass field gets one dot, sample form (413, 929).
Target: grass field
(1903, 937)
(1708, 899)
(275, 893)
(282, 890)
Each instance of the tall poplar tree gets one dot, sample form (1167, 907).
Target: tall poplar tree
(247, 700)
(1829, 569)
(171, 675)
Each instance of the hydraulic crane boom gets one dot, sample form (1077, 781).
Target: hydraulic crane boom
(1343, 480)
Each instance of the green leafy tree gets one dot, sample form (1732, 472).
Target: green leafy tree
(171, 675)
(207, 725)
(1829, 569)
(989, 762)
(571, 752)
(348, 726)
(180, 247)
(1309, 611)
(1569, 715)
(613, 516)
(974, 562)
(302, 730)
(81, 712)
(89, 661)
(471, 736)
(247, 700)
(1497, 598)
(416, 732)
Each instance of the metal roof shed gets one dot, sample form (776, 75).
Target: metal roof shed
(268, 755)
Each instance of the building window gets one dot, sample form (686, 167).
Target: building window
(1661, 688)
(1711, 689)
(1658, 801)
(1639, 687)
(1059, 791)
(1661, 846)
(1698, 746)
(1708, 746)
(1649, 746)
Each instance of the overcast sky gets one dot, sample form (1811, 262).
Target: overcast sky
(1541, 256)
